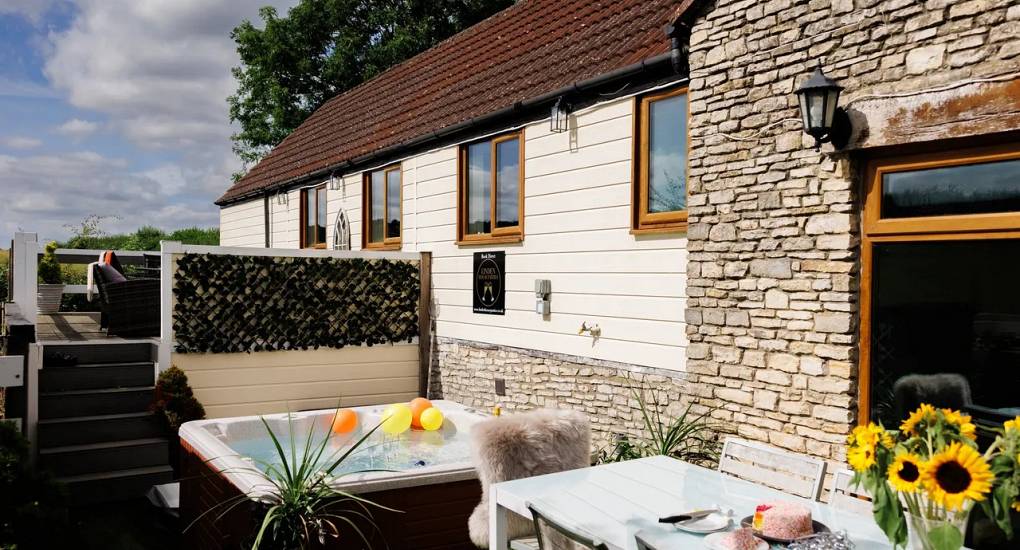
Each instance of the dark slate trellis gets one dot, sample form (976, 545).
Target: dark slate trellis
(229, 303)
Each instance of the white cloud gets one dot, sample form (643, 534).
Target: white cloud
(158, 73)
(77, 128)
(33, 10)
(20, 142)
(45, 192)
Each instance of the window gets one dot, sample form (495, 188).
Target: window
(940, 254)
(491, 191)
(313, 217)
(382, 208)
(660, 190)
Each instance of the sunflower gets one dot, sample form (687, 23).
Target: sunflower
(956, 474)
(905, 472)
(861, 457)
(1012, 424)
(962, 422)
(871, 435)
(924, 413)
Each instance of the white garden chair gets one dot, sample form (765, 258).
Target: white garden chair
(789, 472)
(845, 496)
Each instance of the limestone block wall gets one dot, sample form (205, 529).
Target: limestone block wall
(773, 278)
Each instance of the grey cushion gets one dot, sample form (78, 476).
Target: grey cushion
(110, 274)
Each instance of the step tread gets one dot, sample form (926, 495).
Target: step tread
(116, 474)
(127, 389)
(95, 417)
(103, 445)
(96, 365)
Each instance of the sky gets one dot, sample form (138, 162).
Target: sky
(116, 108)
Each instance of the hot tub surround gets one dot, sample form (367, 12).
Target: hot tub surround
(214, 472)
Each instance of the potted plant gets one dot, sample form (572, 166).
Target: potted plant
(926, 477)
(304, 510)
(174, 403)
(51, 287)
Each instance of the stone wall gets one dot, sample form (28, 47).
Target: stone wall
(774, 236)
(466, 371)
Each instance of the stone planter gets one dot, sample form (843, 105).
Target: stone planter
(49, 298)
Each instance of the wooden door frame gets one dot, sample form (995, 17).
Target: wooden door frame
(874, 231)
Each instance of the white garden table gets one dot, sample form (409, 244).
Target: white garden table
(613, 502)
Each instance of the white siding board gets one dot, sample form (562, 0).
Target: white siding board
(577, 234)
(243, 224)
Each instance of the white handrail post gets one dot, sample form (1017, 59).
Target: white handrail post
(26, 266)
(35, 364)
(167, 249)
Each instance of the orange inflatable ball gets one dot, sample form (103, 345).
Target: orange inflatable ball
(345, 422)
(418, 406)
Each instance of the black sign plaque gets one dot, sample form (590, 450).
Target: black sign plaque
(489, 282)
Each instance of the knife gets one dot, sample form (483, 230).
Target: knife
(698, 514)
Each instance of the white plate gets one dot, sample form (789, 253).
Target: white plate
(712, 542)
(708, 524)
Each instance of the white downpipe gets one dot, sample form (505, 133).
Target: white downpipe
(26, 266)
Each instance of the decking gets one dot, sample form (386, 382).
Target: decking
(73, 327)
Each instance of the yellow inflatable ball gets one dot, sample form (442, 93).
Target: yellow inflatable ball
(396, 419)
(431, 419)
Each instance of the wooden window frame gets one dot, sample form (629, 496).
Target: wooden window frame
(642, 220)
(388, 243)
(999, 225)
(498, 235)
(303, 216)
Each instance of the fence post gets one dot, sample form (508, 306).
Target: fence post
(25, 257)
(167, 249)
(424, 323)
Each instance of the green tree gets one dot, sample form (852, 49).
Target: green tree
(324, 47)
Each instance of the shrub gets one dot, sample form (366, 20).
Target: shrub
(173, 400)
(49, 266)
(32, 512)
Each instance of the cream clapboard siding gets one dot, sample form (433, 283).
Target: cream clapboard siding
(577, 234)
(243, 224)
(242, 384)
(285, 222)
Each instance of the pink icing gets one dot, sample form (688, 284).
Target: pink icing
(741, 539)
(786, 520)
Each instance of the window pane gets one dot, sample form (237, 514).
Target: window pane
(320, 231)
(970, 189)
(667, 154)
(376, 207)
(946, 329)
(508, 177)
(393, 204)
(479, 187)
(309, 213)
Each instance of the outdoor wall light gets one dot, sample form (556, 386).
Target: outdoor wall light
(558, 116)
(823, 119)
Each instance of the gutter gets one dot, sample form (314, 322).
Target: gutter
(661, 62)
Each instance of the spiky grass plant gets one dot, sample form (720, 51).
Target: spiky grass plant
(303, 508)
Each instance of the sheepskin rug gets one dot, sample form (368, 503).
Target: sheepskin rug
(523, 445)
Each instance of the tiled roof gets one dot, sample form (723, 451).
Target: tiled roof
(529, 49)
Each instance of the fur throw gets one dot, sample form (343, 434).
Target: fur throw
(524, 445)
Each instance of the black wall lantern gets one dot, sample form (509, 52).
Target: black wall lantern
(823, 119)
(558, 121)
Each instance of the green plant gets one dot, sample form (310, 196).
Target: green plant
(49, 266)
(174, 401)
(688, 437)
(32, 512)
(304, 509)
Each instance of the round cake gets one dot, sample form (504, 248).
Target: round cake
(741, 539)
(783, 520)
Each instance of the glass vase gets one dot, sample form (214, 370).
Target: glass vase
(944, 532)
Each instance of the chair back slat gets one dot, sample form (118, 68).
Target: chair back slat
(845, 496)
(792, 473)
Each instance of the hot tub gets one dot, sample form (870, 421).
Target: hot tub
(433, 482)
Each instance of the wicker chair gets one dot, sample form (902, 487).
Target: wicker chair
(130, 308)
